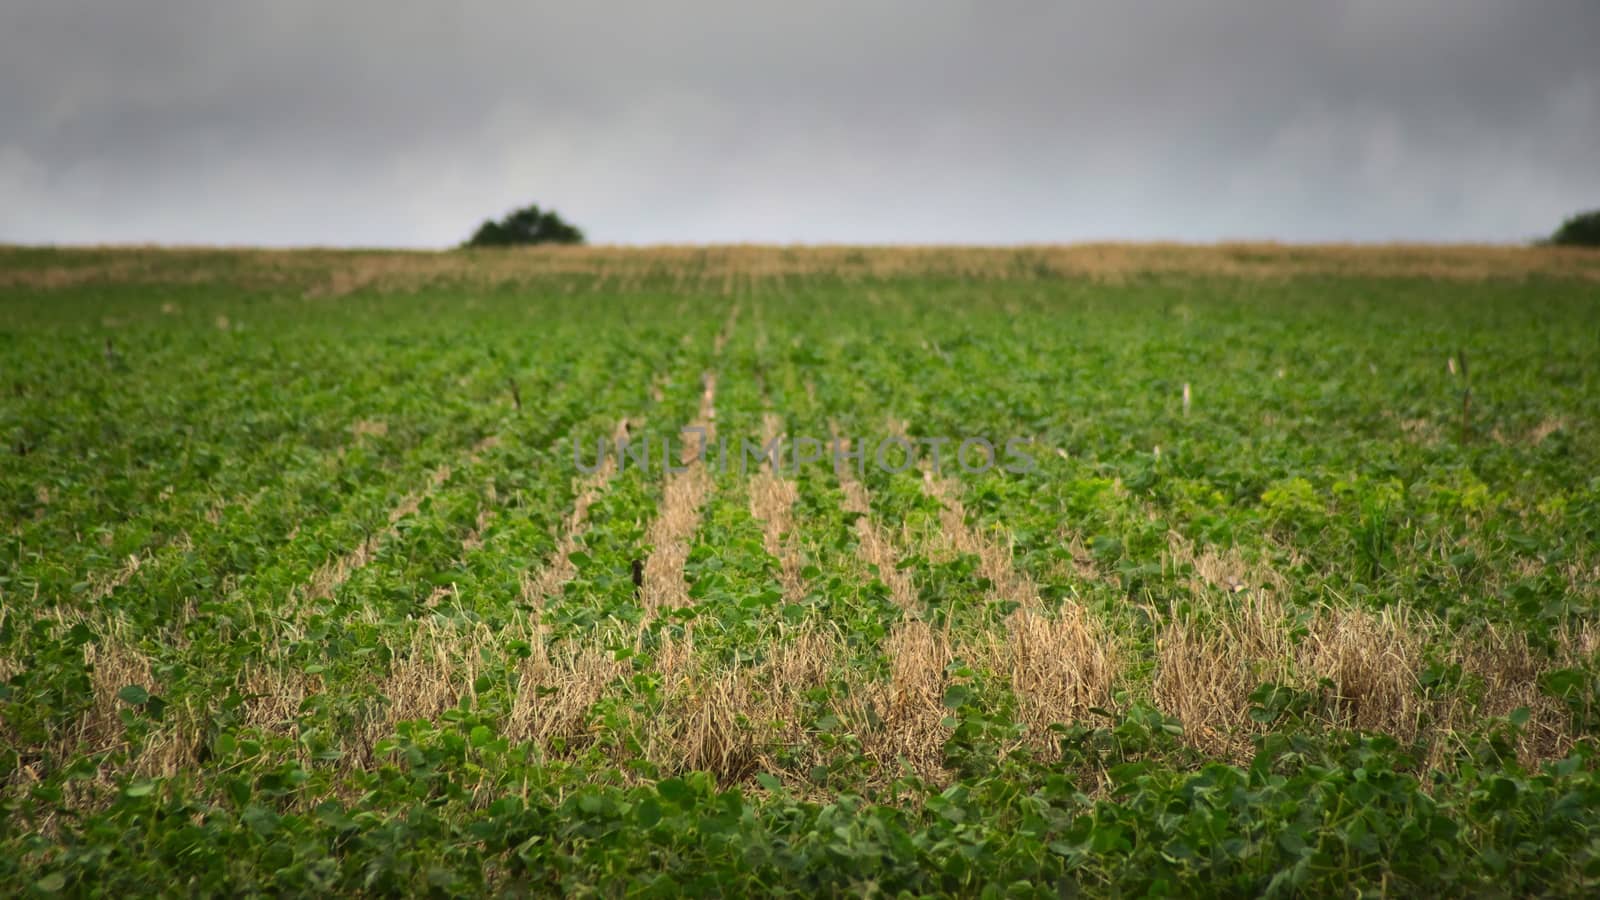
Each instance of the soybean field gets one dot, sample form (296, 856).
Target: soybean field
(1117, 569)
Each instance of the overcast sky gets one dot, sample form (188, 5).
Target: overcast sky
(393, 123)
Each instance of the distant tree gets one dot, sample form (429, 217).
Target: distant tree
(1582, 230)
(528, 225)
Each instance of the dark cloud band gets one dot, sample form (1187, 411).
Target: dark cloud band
(370, 123)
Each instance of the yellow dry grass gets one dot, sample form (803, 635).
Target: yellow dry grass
(105, 584)
(909, 706)
(1373, 659)
(874, 546)
(1543, 430)
(114, 662)
(739, 720)
(682, 497)
(327, 579)
(370, 427)
(549, 580)
(1365, 665)
(322, 273)
(772, 499)
(956, 535)
(1059, 665)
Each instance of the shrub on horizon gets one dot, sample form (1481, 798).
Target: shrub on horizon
(529, 225)
(1582, 230)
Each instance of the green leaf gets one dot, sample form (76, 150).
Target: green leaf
(676, 791)
(1564, 682)
(957, 695)
(332, 815)
(134, 694)
(481, 736)
(648, 812)
(261, 820)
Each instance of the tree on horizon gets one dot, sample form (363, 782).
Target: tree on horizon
(529, 225)
(1582, 230)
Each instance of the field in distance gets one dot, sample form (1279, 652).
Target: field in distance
(327, 570)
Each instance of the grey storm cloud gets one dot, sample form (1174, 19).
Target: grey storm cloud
(1008, 121)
